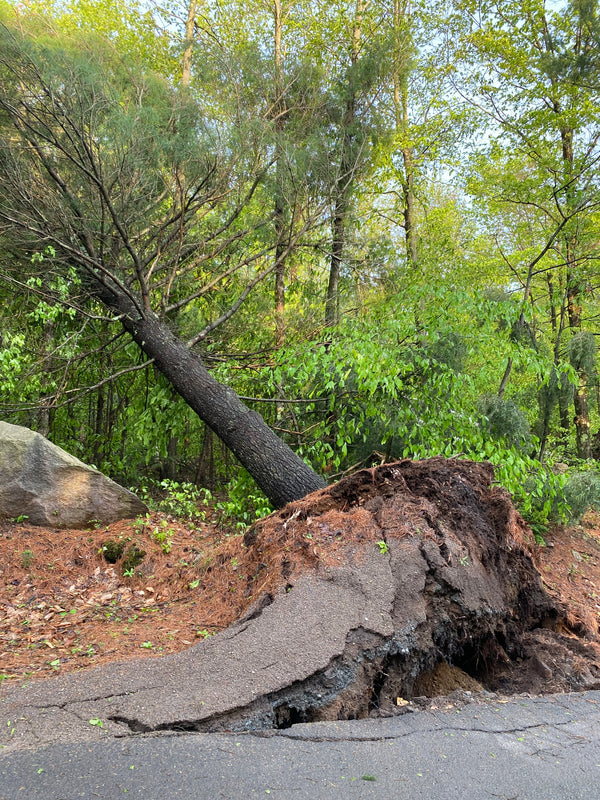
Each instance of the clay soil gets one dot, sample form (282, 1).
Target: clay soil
(64, 607)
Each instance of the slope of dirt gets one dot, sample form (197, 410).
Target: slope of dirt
(64, 607)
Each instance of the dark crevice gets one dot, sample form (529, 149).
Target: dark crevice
(445, 552)
(378, 684)
(134, 725)
(180, 726)
(439, 533)
(176, 726)
(256, 609)
(285, 716)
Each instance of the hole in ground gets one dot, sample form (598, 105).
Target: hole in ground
(379, 683)
(473, 669)
(286, 716)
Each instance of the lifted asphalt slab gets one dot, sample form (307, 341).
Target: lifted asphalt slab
(288, 642)
(541, 748)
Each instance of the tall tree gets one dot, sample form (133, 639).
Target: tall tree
(351, 152)
(427, 129)
(548, 140)
(279, 110)
(402, 56)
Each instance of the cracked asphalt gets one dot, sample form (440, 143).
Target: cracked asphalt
(237, 671)
(522, 748)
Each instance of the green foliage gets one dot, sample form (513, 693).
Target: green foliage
(503, 419)
(377, 386)
(582, 492)
(244, 503)
(13, 359)
(163, 534)
(522, 333)
(557, 387)
(179, 499)
(537, 492)
(582, 352)
(450, 349)
(366, 389)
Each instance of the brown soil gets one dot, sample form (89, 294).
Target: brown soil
(569, 564)
(64, 607)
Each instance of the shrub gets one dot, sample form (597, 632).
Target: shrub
(503, 419)
(582, 491)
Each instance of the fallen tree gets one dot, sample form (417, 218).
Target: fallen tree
(121, 181)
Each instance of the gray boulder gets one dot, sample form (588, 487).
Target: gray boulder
(51, 487)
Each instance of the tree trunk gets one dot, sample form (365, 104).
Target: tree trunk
(410, 230)
(581, 420)
(583, 433)
(44, 415)
(279, 274)
(186, 61)
(345, 180)
(281, 474)
(170, 468)
(403, 49)
(337, 248)
(580, 401)
(279, 209)
(505, 378)
(206, 472)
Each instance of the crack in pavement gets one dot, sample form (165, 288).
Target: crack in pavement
(65, 705)
(543, 726)
(235, 632)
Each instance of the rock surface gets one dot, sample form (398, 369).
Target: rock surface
(51, 487)
(409, 579)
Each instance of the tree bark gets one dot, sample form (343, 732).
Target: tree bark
(581, 420)
(345, 180)
(186, 61)
(44, 415)
(281, 474)
(505, 378)
(332, 304)
(206, 473)
(279, 209)
(583, 433)
(403, 47)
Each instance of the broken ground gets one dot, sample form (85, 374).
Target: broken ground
(64, 607)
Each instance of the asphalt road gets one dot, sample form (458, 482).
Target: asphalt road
(518, 749)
